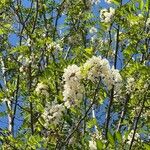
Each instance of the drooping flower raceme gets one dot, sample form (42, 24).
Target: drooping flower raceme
(92, 145)
(130, 85)
(73, 88)
(42, 89)
(93, 69)
(96, 67)
(116, 79)
(52, 114)
(107, 14)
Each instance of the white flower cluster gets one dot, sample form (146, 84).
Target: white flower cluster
(93, 69)
(130, 85)
(129, 138)
(134, 22)
(52, 114)
(55, 46)
(116, 79)
(107, 14)
(140, 16)
(25, 61)
(92, 145)
(28, 42)
(97, 67)
(42, 89)
(93, 31)
(72, 89)
(108, 1)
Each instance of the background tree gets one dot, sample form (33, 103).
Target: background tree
(74, 74)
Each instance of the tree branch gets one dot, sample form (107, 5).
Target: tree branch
(86, 113)
(123, 112)
(136, 123)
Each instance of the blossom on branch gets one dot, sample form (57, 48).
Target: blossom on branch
(92, 145)
(52, 114)
(73, 89)
(42, 89)
(106, 15)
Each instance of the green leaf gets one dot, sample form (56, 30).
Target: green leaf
(116, 2)
(1, 31)
(111, 138)
(118, 136)
(147, 5)
(40, 107)
(133, 7)
(89, 50)
(99, 145)
(141, 4)
(7, 25)
(91, 123)
(147, 146)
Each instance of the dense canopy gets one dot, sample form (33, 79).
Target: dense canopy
(74, 74)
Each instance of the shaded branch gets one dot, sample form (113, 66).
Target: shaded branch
(136, 123)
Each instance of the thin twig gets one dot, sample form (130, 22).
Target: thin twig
(136, 123)
(123, 112)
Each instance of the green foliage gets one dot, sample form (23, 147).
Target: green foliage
(39, 41)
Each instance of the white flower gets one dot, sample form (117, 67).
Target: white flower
(73, 89)
(44, 35)
(53, 113)
(58, 47)
(42, 89)
(102, 12)
(107, 15)
(93, 38)
(28, 42)
(55, 46)
(93, 30)
(117, 79)
(93, 69)
(130, 136)
(113, 78)
(21, 69)
(72, 73)
(92, 145)
(130, 85)
(96, 67)
(24, 60)
(140, 15)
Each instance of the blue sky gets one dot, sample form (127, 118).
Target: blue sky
(14, 41)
